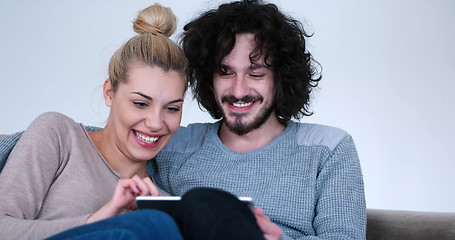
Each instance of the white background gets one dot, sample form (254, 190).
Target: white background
(387, 79)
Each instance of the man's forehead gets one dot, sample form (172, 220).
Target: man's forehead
(251, 66)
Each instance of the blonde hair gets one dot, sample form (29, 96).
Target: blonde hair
(151, 46)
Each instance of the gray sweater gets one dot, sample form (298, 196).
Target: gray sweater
(308, 180)
(53, 180)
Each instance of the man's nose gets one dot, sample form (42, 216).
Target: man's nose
(239, 87)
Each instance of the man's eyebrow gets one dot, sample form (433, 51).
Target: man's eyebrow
(143, 95)
(255, 66)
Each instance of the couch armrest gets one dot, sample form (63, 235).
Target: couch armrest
(396, 224)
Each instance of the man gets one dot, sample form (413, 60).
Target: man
(251, 70)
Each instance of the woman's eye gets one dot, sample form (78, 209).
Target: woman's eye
(140, 105)
(173, 109)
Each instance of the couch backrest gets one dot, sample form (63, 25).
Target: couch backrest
(397, 225)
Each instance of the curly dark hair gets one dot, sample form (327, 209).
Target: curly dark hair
(280, 38)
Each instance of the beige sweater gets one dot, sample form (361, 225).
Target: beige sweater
(53, 180)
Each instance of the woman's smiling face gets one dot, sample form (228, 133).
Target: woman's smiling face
(146, 110)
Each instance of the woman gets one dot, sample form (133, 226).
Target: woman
(60, 176)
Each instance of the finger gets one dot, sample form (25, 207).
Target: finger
(133, 186)
(142, 186)
(133, 206)
(123, 193)
(258, 212)
(263, 216)
(122, 185)
(151, 186)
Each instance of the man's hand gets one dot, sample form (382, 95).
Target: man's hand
(270, 230)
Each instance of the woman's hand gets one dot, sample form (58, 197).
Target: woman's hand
(270, 230)
(123, 199)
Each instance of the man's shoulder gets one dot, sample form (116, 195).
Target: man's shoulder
(189, 138)
(311, 134)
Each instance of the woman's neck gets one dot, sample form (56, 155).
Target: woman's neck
(126, 167)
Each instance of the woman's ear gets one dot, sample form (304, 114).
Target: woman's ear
(108, 92)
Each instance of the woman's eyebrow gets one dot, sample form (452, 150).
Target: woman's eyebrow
(142, 95)
(150, 98)
(176, 101)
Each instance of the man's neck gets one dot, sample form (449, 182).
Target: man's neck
(254, 139)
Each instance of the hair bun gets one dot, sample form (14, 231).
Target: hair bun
(155, 19)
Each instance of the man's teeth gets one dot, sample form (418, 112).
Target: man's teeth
(242, 104)
(146, 139)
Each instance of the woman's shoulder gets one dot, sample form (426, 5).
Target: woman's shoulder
(54, 119)
(54, 122)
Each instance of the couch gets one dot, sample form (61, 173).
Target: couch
(397, 224)
(401, 225)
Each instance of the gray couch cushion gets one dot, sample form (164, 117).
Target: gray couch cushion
(394, 224)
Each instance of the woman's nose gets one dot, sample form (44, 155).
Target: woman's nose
(154, 121)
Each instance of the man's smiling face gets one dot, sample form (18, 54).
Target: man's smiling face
(244, 90)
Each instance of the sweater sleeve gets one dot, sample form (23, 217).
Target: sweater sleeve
(340, 211)
(28, 174)
(7, 144)
(341, 207)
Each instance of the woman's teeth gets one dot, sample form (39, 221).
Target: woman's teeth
(146, 139)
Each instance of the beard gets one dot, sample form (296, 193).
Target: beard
(240, 128)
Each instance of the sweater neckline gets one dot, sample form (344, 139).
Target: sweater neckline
(213, 134)
(117, 174)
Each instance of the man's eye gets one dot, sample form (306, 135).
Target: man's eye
(225, 73)
(257, 75)
(140, 105)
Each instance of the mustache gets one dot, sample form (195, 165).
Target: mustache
(247, 98)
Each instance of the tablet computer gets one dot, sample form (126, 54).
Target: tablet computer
(167, 203)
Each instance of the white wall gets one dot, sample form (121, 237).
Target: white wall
(388, 79)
